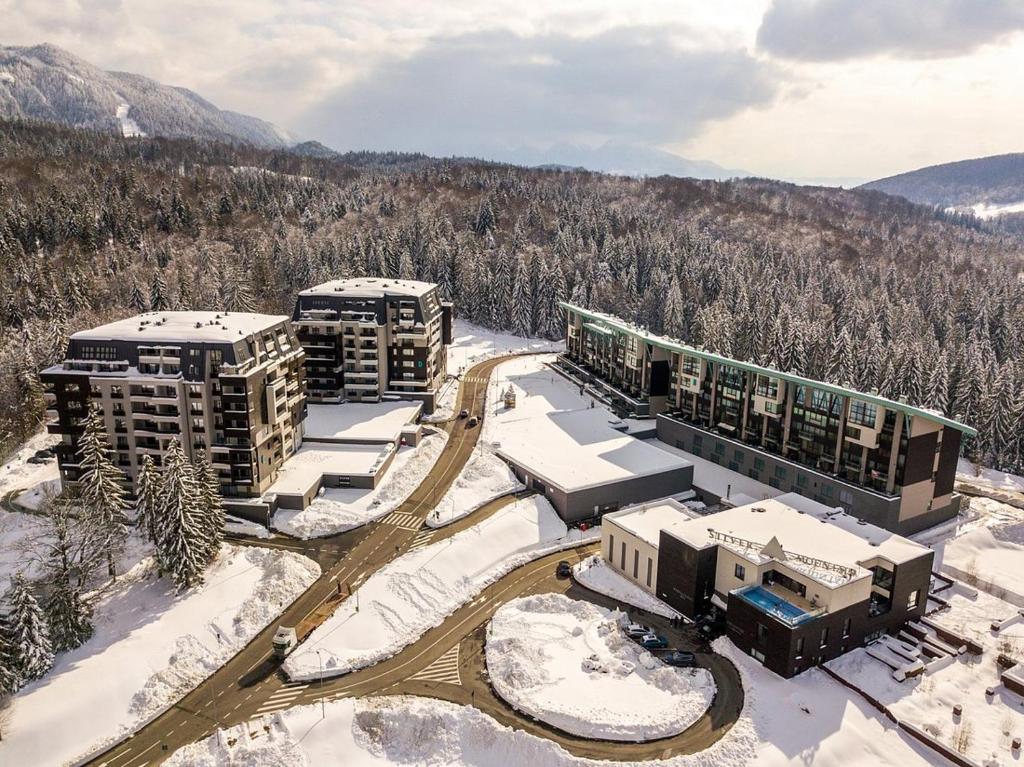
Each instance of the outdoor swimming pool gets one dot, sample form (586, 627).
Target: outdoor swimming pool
(774, 605)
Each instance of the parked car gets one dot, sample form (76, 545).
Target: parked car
(463, 413)
(473, 421)
(36, 459)
(653, 642)
(563, 569)
(712, 626)
(680, 658)
(637, 630)
(46, 452)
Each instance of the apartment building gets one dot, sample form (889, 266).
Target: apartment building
(369, 337)
(888, 462)
(799, 583)
(227, 386)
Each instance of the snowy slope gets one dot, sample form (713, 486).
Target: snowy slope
(418, 590)
(569, 664)
(483, 478)
(595, 574)
(150, 647)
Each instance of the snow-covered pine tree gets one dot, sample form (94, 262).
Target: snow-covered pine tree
(28, 632)
(148, 497)
(10, 678)
(212, 504)
(521, 303)
(102, 494)
(67, 615)
(158, 297)
(182, 540)
(673, 317)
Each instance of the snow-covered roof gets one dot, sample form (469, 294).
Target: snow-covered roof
(312, 461)
(370, 287)
(182, 327)
(804, 528)
(359, 421)
(575, 450)
(648, 520)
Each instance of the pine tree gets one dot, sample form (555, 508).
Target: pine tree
(148, 497)
(102, 493)
(673, 316)
(212, 506)
(158, 298)
(10, 678)
(521, 304)
(182, 542)
(28, 633)
(68, 616)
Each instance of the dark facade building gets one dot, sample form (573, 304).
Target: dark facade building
(227, 386)
(369, 337)
(887, 462)
(799, 583)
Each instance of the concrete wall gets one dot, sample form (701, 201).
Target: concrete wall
(637, 551)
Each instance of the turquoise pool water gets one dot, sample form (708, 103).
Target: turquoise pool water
(774, 605)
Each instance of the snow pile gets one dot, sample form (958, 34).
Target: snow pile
(340, 509)
(990, 479)
(569, 664)
(594, 573)
(19, 474)
(483, 478)
(240, 526)
(35, 496)
(420, 589)
(151, 645)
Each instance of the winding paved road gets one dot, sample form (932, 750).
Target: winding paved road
(251, 684)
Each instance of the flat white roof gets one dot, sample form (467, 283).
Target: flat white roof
(720, 480)
(359, 421)
(182, 327)
(803, 527)
(370, 287)
(312, 461)
(578, 449)
(648, 520)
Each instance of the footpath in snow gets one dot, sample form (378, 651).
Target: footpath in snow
(417, 591)
(595, 574)
(339, 509)
(151, 646)
(569, 664)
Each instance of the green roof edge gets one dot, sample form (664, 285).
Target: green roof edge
(666, 343)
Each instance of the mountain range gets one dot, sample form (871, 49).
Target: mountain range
(44, 82)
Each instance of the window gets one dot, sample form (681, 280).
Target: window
(636, 563)
(738, 456)
(826, 490)
(799, 647)
(780, 472)
(650, 568)
(801, 480)
(762, 633)
(622, 555)
(719, 448)
(740, 572)
(846, 628)
(611, 547)
(913, 599)
(824, 637)
(862, 413)
(759, 463)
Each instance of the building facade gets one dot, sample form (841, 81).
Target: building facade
(230, 387)
(369, 337)
(799, 583)
(888, 462)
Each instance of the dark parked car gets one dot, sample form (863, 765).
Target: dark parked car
(680, 658)
(463, 413)
(563, 569)
(46, 452)
(473, 421)
(653, 642)
(36, 459)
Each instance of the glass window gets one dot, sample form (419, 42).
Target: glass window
(719, 448)
(824, 637)
(740, 572)
(913, 599)
(759, 463)
(801, 480)
(738, 456)
(780, 472)
(862, 413)
(799, 647)
(846, 628)
(762, 633)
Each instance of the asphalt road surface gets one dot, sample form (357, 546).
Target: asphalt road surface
(446, 662)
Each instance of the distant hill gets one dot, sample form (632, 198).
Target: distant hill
(987, 186)
(45, 82)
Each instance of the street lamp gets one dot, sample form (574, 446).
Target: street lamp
(323, 705)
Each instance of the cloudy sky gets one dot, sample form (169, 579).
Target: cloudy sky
(785, 88)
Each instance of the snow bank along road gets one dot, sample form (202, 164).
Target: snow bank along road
(248, 680)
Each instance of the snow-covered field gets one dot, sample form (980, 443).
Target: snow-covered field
(568, 663)
(150, 647)
(986, 478)
(420, 589)
(472, 344)
(483, 478)
(340, 509)
(594, 573)
(988, 724)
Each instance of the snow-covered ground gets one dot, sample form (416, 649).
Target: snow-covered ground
(18, 474)
(129, 128)
(989, 479)
(483, 478)
(809, 720)
(20, 539)
(472, 344)
(569, 664)
(420, 589)
(594, 573)
(151, 646)
(43, 491)
(988, 724)
(339, 509)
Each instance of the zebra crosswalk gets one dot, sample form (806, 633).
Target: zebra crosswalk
(444, 669)
(423, 539)
(403, 520)
(475, 379)
(283, 698)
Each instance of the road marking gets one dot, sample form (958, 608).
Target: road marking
(287, 692)
(444, 669)
(422, 540)
(403, 520)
